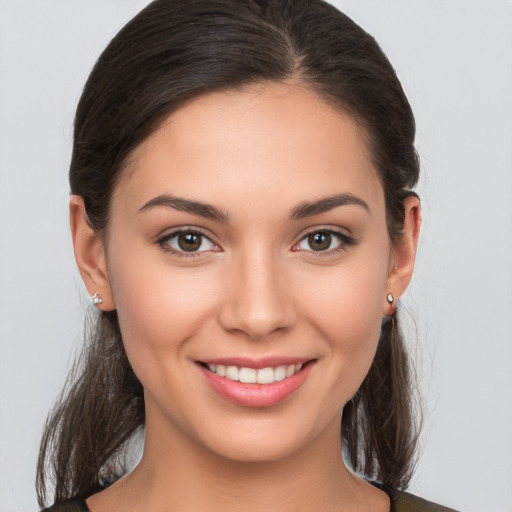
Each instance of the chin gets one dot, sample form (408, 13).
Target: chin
(266, 439)
(257, 449)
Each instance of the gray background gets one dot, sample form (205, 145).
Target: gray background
(454, 58)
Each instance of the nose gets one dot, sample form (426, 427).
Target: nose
(258, 302)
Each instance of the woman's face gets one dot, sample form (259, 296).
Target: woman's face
(249, 233)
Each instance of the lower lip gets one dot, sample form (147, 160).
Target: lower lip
(256, 395)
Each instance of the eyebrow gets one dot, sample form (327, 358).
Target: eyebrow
(303, 210)
(308, 209)
(186, 205)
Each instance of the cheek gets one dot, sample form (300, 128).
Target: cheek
(345, 307)
(159, 309)
(349, 315)
(347, 301)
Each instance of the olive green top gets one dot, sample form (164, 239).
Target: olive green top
(400, 502)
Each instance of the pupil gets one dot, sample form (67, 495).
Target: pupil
(319, 241)
(189, 242)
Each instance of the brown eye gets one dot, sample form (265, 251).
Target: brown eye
(320, 241)
(324, 241)
(183, 242)
(189, 242)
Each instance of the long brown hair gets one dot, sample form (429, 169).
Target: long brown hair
(174, 50)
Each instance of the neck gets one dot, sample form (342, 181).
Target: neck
(176, 473)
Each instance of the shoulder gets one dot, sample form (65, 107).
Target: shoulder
(68, 506)
(402, 501)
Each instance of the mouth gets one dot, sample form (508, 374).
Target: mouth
(247, 375)
(256, 384)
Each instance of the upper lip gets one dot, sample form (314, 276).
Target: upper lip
(262, 362)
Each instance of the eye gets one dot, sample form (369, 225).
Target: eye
(186, 241)
(324, 241)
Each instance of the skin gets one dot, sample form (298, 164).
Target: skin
(257, 289)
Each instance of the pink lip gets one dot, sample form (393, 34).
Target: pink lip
(256, 395)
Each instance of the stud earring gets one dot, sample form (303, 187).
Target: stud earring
(390, 298)
(96, 299)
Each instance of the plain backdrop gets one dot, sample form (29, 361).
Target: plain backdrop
(454, 58)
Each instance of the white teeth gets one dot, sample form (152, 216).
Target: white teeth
(280, 373)
(265, 376)
(252, 376)
(232, 372)
(247, 375)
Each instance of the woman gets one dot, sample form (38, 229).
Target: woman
(243, 219)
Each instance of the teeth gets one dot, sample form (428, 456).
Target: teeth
(247, 375)
(253, 376)
(265, 376)
(280, 373)
(232, 372)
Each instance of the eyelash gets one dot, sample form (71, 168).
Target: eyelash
(163, 242)
(344, 242)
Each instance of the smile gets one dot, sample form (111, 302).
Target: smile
(255, 376)
(251, 384)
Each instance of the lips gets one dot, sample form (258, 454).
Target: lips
(261, 383)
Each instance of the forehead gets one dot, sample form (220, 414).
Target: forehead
(278, 140)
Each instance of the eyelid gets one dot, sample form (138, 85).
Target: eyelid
(347, 240)
(162, 240)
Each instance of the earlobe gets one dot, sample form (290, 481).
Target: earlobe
(403, 254)
(90, 255)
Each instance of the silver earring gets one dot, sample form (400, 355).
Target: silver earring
(390, 298)
(96, 299)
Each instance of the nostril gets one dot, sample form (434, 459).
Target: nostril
(256, 325)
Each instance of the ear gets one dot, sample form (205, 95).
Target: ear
(90, 254)
(403, 254)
